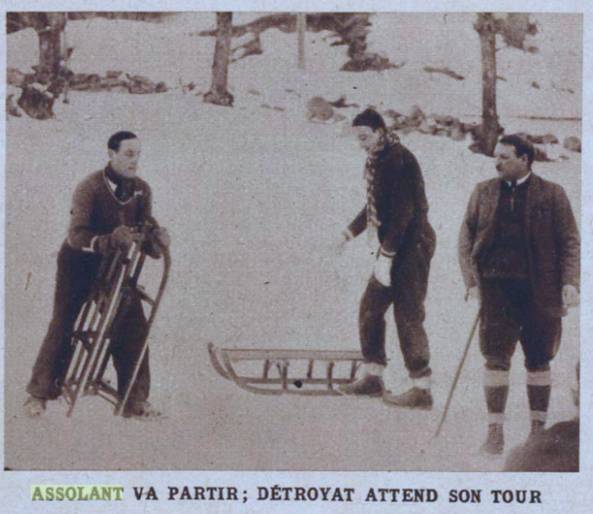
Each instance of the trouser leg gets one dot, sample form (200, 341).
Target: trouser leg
(371, 321)
(410, 283)
(540, 341)
(74, 277)
(500, 329)
(128, 339)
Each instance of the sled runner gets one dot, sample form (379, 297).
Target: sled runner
(304, 372)
(115, 287)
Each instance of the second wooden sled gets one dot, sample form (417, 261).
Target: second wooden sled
(116, 284)
(302, 372)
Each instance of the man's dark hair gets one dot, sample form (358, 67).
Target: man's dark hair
(369, 118)
(522, 146)
(116, 139)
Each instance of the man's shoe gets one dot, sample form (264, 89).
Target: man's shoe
(414, 398)
(368, 385)
(537, 427)
(34, 407)
(142, 410)
(494, 444)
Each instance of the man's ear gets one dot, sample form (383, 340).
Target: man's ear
(111, 153)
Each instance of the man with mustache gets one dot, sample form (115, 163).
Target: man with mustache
(104, 206)
(519, 253)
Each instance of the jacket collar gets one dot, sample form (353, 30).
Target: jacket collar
(118, 185)
(521, 180)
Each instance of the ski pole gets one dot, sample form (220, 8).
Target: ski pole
(457, 374)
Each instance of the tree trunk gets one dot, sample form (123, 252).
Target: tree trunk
(49, 32)
(490, 128)
(218, 93)
(301, 27)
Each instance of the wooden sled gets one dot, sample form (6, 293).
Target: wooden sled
(116, 285)
(302, 372)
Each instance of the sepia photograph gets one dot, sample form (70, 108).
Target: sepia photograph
(292, 241)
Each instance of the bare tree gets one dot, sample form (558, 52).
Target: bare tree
(40, 90)
(50, 49)
(301, 28)
(513, 29)
(49, 27)
(490, 129)
(218, 93)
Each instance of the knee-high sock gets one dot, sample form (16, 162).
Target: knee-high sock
(496, 389)
(539, 387)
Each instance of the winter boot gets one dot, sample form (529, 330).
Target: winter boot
(414, 398)
(368, 385)
(537, 427)
(494, 444)
(142, 410)
(34, 407)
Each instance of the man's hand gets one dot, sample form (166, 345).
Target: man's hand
(345, 236)
(121, 238)
(473, 293)
(382, 270)
(570, 296)
(161, 237)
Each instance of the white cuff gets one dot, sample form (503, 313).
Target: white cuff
(90, 248)
(539, 378)
(373, 368)
(387, 254)
(496, 378)
(421, 383)
(496, 418)
(538, 415)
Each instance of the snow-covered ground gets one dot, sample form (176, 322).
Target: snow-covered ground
(255, 199)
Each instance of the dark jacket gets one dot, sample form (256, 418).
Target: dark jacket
(96, 211)
(401, 202)
(553, 245)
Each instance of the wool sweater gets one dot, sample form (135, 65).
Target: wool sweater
(506, 257)
(96, 211)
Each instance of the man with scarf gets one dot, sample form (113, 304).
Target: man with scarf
(104, 206)
(396, 219)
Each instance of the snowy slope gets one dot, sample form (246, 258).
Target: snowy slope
(254, 199)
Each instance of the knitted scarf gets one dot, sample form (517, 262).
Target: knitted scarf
(386, 141)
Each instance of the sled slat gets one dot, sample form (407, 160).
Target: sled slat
(322, 355)
(241, 365)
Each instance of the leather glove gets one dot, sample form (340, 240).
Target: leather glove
(473, 293)
(382, 270)
(122, 238)
(161, 237)
(340, 246)
(570, 296)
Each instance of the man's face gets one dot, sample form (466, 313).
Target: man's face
(367, 138)
(509, 166)
(125, 160)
